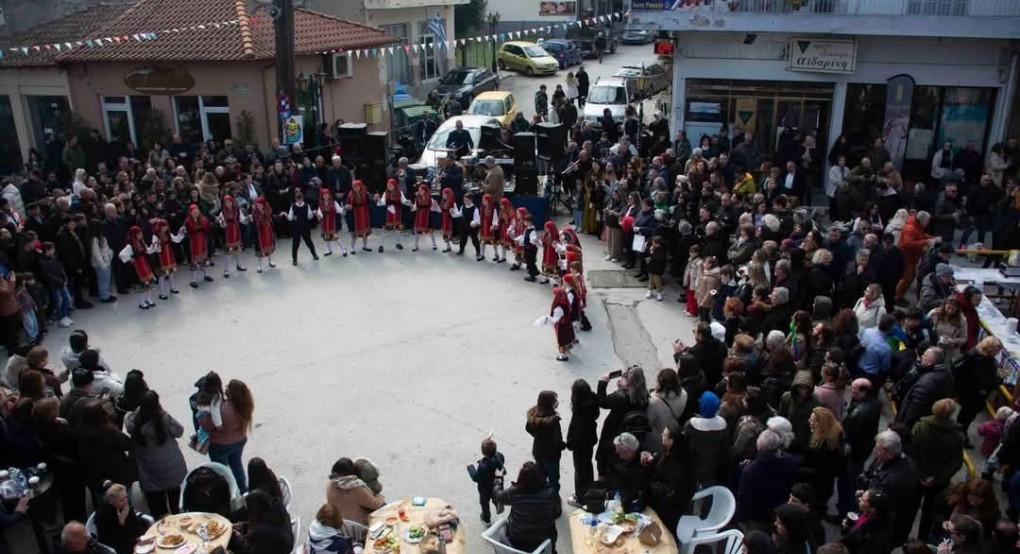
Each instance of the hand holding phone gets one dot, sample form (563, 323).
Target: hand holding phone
(615, 373)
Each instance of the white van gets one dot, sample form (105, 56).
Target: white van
(613, 93)
(436, 148)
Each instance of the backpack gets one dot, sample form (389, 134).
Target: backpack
(636, 423)
(207, 491)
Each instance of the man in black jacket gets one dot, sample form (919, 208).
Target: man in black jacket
(778, 318)
(583, 83)
(73, 251)
(860, 424)
(895, 474)
(709, 352)
(934, 382)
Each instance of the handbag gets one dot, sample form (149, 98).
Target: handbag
(200, 446)
(639, 243)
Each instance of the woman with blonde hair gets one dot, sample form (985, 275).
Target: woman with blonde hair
(870, 308)
(571, 88)
(977, 375)
(949, 324)
(823, 458)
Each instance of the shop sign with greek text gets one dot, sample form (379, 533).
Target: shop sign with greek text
(823, 55)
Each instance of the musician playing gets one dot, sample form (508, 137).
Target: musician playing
(452, 177)
(460, 141)
(494, 180)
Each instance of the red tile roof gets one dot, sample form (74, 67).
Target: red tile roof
(248, 37)
(70, 28)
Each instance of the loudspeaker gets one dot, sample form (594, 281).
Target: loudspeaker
(552, 140)
(351, 137)
(524, 150)
(374, 149)
(526, 181)
(489, 139)
(373, 175)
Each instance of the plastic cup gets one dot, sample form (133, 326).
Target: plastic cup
(33, 481)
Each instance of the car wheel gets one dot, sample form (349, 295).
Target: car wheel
(501, 65)
(529, 71)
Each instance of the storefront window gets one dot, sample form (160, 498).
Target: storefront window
(202, 118)
(189, 119)
(10, 150)
(48, 115)
(966, 112)
(937, 7)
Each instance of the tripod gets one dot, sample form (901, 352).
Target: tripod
(558, 202)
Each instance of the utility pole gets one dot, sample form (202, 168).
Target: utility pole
(282, 12)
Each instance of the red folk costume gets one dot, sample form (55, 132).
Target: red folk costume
(394, 202)
(328, 208)
(358, 200)
(448, 201)
(506, 221)
(197, 225)
(550, 257)
(167, 260)
(519, 230)
(423, 210)
(577, 305)
(573, 254)
(564, 327)
(263, 216)
(232, 224)
(486, 233)
(139, 256)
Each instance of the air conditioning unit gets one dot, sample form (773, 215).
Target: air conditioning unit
(342, 66)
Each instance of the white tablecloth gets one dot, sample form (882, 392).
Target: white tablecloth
(994, 323)
(990, 276)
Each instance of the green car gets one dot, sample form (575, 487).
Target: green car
(527, 57)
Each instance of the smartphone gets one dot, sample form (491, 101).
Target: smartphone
(615, 373)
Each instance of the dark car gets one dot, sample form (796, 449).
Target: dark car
(565, 51)
(464, 83)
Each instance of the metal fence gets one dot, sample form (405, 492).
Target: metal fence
(878, 7)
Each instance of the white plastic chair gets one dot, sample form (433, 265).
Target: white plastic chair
(236, 500)
(734, 541)
(90, 526)
(287, 494)
(299, 543)
(494, 536)
(723, 506)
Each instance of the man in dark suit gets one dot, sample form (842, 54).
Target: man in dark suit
(460, 141)
(794, 183)
(339, 179)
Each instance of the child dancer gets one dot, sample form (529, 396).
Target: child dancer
(692, 274)
(357, 204)
(447, 205)
(505, 236)
(528, 241)
(162, 243)
(263, 216)
(329, 210)
(394, 200)
(136, 253)
(423, 208)
(581, 287)
(550, 255)
(559, 318)
(230, 219)
(518, 230)
(300, 217)
(571, 286)
(489, 230)
(196, 228)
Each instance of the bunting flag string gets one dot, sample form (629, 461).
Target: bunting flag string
(496, 37)
(100, 42)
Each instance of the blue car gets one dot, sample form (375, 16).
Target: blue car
(565, 51)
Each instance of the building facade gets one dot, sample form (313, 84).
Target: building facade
(916, 73)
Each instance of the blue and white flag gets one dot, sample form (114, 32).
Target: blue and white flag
(437, 28)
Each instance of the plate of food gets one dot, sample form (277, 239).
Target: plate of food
(145, 545)
(387, 543)
(171, 540)
(416, 533)
(210, 529)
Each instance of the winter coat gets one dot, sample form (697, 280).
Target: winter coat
(120, 537)
(532, 517)
(819, 466)
(160, 466)
(797, 410)
(933, 292)
(708, 441)
(350, 495)
(868, 316)
(707, 288)
(662, 410)
(765, 484)
(899, 479)
(323, 539)
(913, 239)
(870, 536)
(937, 449)
(107, 454)
(618, 404)
(744, 438)
(860, 427)
(819, 283)
(548, 436)
(831, 397)
(581, 433)
(976, 376)
(991, 430)
(934, 384)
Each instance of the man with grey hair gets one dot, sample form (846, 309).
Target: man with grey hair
(895, 474)
(932, 380)
(625, 472)
(936, 287)
(782, 309)
(765, 482)
(75, 539)
(339, 179)
(494, 180)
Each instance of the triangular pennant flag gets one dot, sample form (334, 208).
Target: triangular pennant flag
(201, 27)
(137, 37)
(88, 42)
(116, 39)
(68, 45)
(24, 50)
(392, 50)
(37, 49)
(416, 47)
(59, 48)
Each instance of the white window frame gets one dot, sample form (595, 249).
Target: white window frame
(118, 107)
(203, 114)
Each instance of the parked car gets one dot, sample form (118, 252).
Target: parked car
(637, 36)
(436, 147)
(565, 51)
(648, 80)
(464, 83)
(613, 93)
(527, 57)
(496, 103)
(585, 38)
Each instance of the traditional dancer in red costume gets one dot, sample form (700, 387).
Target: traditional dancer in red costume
(262, 216)
(394, 201)
(559, 317)
(581, 286)
(357, 203)
(231, 218)
(162, 242)
(550, 253)
(489, 230)
(196, 228)
(447, 206)
(328, 212)
(518, 230)
(136, 252)
(505, 235)
(423, 207)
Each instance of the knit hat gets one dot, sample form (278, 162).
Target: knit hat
(944, 270)
(708, 406)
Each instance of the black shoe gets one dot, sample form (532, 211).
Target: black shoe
(400, 246)
(501, 261)
(460, 253)
(315, 258)
(380, 248)
(434, 247)
(530, 279)
(562, 358)
(212, 263)
(226, 276)
(207, 279)
(294, 262)
(164, 297)
(143, 306)
(241, 268)
(447, 250)
(367, 249)
(194, 285)
(352, 253)
(515, 267)
(271, 264)
(495, 259)
(83, 305)
(175, 291)
(415, 249)
(258, 270)
(479, 258)
(642, 278)
(328, 254)
(109, 299)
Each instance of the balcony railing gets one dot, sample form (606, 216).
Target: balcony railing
(866, 7)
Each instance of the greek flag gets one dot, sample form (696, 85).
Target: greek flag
(438, 29)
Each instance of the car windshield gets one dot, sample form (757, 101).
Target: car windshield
(455, 78)
(487, 107)
(551, 47)
(607, 95)
(535, 52)
(438, 141)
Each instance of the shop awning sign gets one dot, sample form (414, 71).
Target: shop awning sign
(823, 55)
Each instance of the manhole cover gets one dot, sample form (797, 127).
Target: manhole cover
(613, 278)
